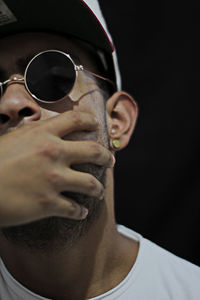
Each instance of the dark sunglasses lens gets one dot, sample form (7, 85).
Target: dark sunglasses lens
(50, 76)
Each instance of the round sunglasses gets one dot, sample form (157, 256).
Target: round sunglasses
(50, 76)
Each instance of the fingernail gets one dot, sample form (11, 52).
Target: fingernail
(84, 212)
(102, 195)
(113, 160)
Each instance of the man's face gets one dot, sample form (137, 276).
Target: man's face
(15, 53)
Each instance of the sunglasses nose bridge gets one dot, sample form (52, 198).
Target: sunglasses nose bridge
(12, 80)
(15, 79)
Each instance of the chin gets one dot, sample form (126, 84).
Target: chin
(55, 234)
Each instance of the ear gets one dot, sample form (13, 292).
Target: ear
(122, 112)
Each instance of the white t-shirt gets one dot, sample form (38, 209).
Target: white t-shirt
(156, 275)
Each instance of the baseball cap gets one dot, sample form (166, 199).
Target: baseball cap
(81, 18)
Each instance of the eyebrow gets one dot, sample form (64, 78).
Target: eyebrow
(18, 67)
(22, 62)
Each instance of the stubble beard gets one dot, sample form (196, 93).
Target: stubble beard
(55, 234)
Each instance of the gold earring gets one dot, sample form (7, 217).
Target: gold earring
(116, 144)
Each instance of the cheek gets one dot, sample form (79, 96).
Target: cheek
(92, 103)
(47, 114)
(100, 113)
(59, 107)
(95, 104)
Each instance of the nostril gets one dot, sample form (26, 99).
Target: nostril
(26, 112)
(4, 119)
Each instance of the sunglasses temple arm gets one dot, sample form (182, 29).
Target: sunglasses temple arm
(101, 77)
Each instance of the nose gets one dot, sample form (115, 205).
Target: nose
(16, 104)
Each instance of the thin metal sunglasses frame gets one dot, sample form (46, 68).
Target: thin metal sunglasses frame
(23, 80)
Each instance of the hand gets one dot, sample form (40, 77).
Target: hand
(35, 168)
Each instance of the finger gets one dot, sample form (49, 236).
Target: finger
(70, 121)
(80, 182)
(79, 152)
(68, 208)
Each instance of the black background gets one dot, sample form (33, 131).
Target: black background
(157, 175)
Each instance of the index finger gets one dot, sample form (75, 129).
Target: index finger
(70, 121)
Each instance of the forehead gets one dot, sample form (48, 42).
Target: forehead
(22, 45)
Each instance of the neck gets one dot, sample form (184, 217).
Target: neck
(89, 268)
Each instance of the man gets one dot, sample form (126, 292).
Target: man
(62, 117)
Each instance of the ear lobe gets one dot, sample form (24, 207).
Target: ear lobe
(122, 114)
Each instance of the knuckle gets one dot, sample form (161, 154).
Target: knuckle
(76, 118)
(47, 201)
(96, 150)
(50, 150)
(54, 177)
(72, 209)
(92, 183)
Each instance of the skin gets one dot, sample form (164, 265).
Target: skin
(39, 144)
